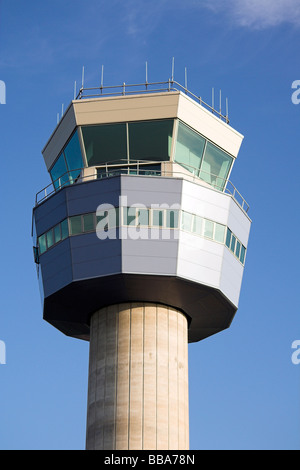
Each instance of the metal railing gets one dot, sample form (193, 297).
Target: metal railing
(147, 87)
(141, 168)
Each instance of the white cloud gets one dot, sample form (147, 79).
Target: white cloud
(258, 14)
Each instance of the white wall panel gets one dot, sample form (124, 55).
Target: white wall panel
(231, 277)
(205, 202)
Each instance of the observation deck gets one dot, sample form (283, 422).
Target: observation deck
(171, 227)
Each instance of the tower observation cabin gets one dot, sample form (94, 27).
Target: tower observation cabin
(140, 243)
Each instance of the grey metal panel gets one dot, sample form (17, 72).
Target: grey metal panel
(86, 197)
(149, 190)
(56, 267)
(92, 257)
(50, 212)
(149, 256)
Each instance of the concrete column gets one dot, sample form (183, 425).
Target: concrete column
(138, 379)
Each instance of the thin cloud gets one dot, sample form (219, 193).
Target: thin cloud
(258, 14)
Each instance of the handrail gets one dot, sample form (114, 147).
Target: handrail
(118, 168)
(127, 89)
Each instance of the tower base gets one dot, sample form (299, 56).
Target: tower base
(138, 379)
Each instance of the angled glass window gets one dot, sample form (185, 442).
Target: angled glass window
(232, 243)
(50, 238)
(219, 233)
(189, 148)
(129, 216)
(73, 157)
(42, 244)
(186, 221)
(75, 225)
(237, 249)
(88, 222)
(143, 217)
(208, 229)
(114, 217)
(59, 173)
(64, 229)
(105, 143)
(228, 238)
(57, 234)
(215, 166)
(157, 218)
(197, 225)
(242, 254)
(150, 140)
(172, 218)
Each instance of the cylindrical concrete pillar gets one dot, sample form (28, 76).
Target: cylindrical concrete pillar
(138, 379)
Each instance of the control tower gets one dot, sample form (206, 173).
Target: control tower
(140, 243)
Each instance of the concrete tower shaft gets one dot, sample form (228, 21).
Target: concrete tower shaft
(138, 378)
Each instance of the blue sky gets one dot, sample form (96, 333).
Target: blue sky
(244, 388)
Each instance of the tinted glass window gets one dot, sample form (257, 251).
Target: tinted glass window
(242, 254)
(58, 173)
(215, 166)
(172, 217)
(105, 143)
(208, 229)
(129, 216)
(75, 225)
(57, 234)
(150, 140)
(197, 225)
(186, 221)
(42, 244)
(64, 229)
(158, 218)
(88, 222)
(50, 238)
(143, 217)
(232, 243)
(228, 238)
(189, 148)
(219, 233)
(73, 156)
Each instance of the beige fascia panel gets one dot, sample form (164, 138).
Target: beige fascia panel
(59, 137)
(126, 108)
(209, 125)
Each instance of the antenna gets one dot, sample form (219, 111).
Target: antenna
(62, 110)
(185, 73)
(57, 118)
(172, 79)
(102, 69)
(146, 72)
(220, 103)
(82, 78)
(227, 116)
(75, 90)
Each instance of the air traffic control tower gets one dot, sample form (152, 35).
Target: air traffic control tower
(140, 243)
